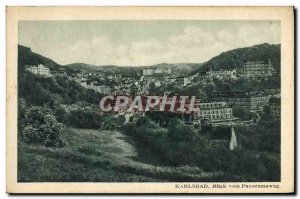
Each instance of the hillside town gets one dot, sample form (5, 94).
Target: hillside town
(215, 110)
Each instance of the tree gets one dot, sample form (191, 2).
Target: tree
(241, 112)
(267, 111)
(151, 88)
(209, 89)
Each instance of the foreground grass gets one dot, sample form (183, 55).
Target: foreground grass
(81, 161)
(99, 156)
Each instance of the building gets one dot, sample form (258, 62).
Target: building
(218, 74)
(102, 89)
(215, 111)
(157, 70)
(113, 76)
(38, 70)
(90, 85)
(83, 83)
(256, 69)
(217, 114)
(162, 70)
(222, 74)
(254, 101)
(42, 70)
(234, 98)
(186, 81)
(257, 102)
(275, 104)
(147, 72)
(203, 76)
(182, 81)
(31, 68)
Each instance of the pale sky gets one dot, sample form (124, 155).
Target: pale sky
(137, 43)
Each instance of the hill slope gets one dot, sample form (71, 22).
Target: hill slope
(26, 56)
(226, 60)
(236, 58)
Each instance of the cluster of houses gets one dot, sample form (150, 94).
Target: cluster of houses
(216, 112)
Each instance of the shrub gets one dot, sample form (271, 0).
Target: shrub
(42, 127)
(85, 119)
(32, 135)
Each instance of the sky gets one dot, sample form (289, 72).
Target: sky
(142, 42)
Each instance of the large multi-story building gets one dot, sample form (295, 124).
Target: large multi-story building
(217, 114)
(215, 111)
(242, 99)
(147, 72)
(238, 99)
(257, 102)
(256, 69)
(38, 70)
(158, 70)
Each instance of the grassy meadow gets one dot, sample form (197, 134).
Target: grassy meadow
(99, 156)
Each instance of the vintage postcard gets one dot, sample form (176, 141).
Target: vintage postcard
(150, 100)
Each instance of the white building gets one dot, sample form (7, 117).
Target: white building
(158, 70)
(147, 72)
(215, 111)
(102, 89)
(220, 74)
(83, 83)
(186, 80)
(39, 70)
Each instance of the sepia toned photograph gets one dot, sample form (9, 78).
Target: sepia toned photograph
(199, 103)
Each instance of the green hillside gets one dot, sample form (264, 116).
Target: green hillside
(235, 58)
(26, 56)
